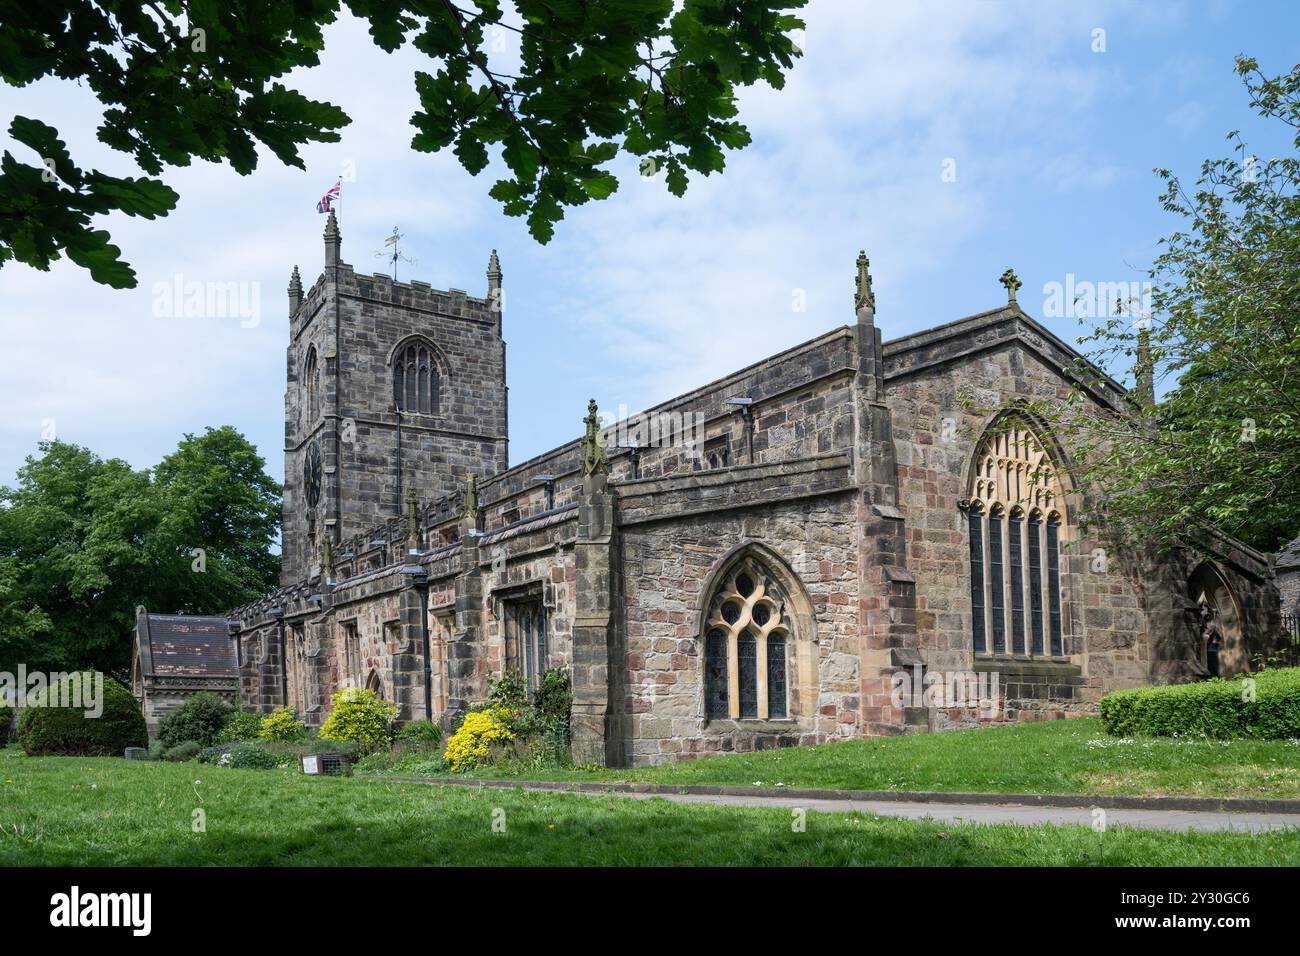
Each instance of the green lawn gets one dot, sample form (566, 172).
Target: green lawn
(1062, 756)
(103, 811)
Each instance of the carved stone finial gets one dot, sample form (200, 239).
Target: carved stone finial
(412, 520)
(863, 296)
(295, 292)
(1011, 283)
(471, 499)
(333, 240)
(593, 451)
(494, 267)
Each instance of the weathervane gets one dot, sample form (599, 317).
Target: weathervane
(391, 253)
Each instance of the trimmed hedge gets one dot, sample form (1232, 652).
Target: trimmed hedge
(67, 730)
(1214, 708)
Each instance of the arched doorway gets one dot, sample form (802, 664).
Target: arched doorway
(374, 683)
(1217, 622)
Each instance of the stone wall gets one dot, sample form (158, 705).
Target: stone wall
(941, 410)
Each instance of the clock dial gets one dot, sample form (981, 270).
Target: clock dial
(311, 472)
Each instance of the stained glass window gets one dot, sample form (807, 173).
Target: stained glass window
(715, 663)
(1054, 587)
(977, 580)
(746, 624)
(1016, 528)
(776, 676)
(747, 671)
(1035, 586)
(997, 605)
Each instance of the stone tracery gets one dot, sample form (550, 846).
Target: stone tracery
(746, 638)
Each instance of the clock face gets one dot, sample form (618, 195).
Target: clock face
(311, 471)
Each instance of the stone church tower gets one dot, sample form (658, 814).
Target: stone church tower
(392, 387)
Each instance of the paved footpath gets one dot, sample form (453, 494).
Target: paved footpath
(1002, 813)
(1152, 813)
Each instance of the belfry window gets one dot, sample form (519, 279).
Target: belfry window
(745, 647)
(415, 378)
(1015, 530)
(311, 378)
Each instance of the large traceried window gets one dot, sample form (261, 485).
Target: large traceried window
(415, 378)
(1015, 531)
(746, 638)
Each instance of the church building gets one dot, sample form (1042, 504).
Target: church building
(788, 555)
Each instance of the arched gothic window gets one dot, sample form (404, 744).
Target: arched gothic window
(1015, 531)
(415, 378)
(746, 637)
(311, 378)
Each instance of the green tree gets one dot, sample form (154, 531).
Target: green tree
(84, 540)
(191, 79)
(1221, 448)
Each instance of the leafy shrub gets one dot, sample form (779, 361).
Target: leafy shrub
(241, 726)
(185, 750)
(67, 730)
(6, 716)
(199, 719)
(1220, 709)
(250, 757)
(282, 724)
(156, 749)
(215, 753)
(413, 763)
(471, 745)
(554, 702)
(420, 735)
(361, 717)
(554, 696)
(509, 691)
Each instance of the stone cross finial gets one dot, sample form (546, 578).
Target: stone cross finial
(1011, 283)
(471, 498)
(327, 556)
(412, 520)
(593, 451)
(864, 294)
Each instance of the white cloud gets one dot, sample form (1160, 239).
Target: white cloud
(638, 298)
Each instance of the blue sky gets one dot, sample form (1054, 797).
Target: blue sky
(644, 296)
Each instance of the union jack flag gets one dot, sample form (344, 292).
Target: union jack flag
(330, 198)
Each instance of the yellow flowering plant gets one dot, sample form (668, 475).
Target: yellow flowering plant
(469, 746)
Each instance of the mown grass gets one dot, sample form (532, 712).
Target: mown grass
(1064, 756)
(103, 811)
